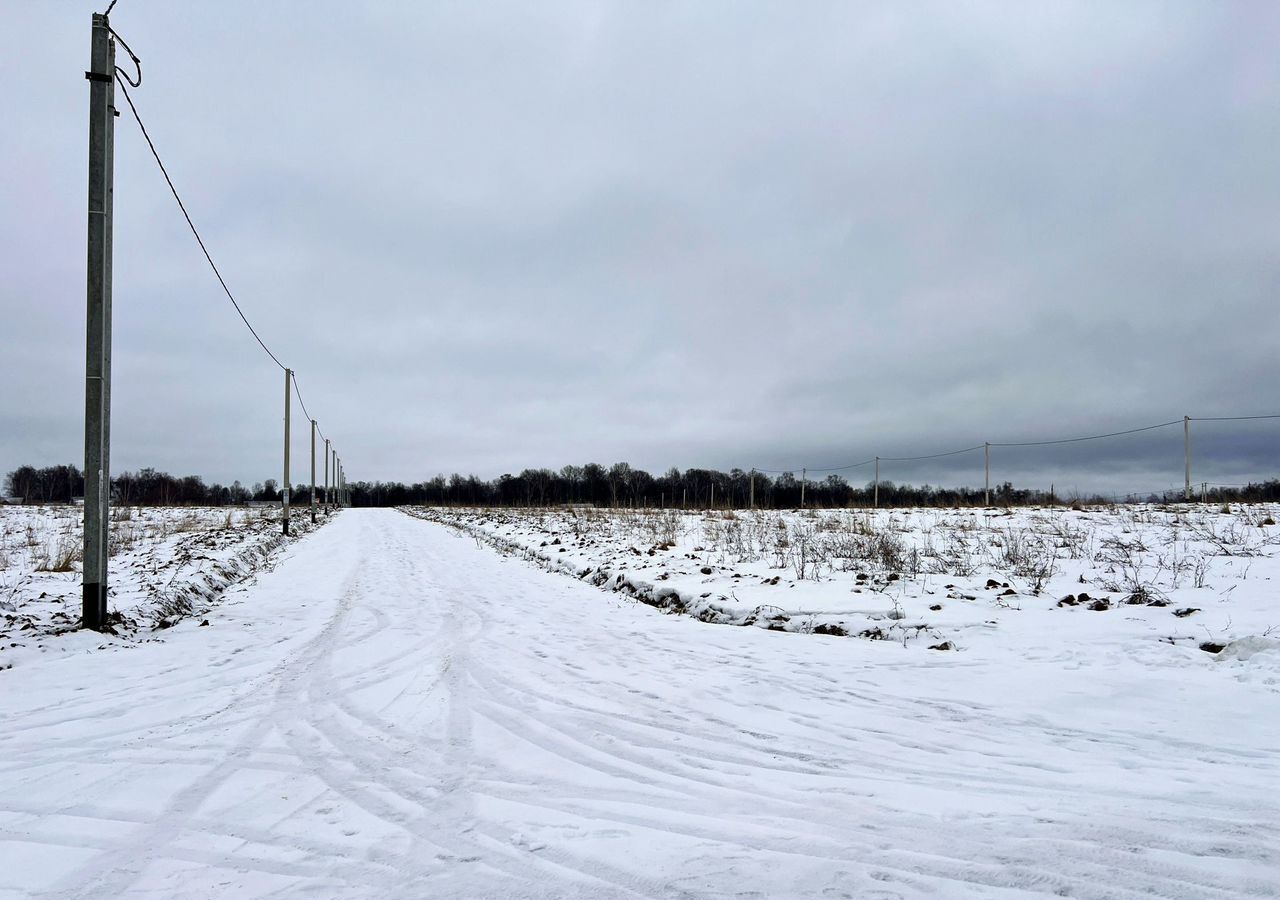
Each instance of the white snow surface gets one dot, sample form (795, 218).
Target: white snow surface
(926, 578)
(395, 710)
(166, 563)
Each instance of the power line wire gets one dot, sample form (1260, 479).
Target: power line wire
(1076, 440)
(1229, 418)
(133, 56)
(930, 456)
(191, 224)
(865, 462)
(121, 77)
(298, 391)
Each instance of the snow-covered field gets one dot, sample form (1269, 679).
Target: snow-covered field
(165, 563)
(1198, 576)
(397, 710)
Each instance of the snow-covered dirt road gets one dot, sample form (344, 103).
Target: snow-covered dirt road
(396, 711)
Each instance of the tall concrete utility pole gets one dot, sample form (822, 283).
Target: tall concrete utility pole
(97, 370)
(1186, 450)
(987, 469)
(327, 454)
(313, 471)
(284, 494)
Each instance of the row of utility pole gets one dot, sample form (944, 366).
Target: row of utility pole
(986, 470)
(97, 413)
(335, 495)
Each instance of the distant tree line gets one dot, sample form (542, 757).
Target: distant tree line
(619, 485)
(145, 487)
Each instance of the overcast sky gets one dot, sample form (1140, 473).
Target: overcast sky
(490, 236)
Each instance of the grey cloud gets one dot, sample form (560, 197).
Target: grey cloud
(497, 235)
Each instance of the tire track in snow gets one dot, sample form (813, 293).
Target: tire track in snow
(112, 873)
(450, 816)
(497, 740)
(1011, 872)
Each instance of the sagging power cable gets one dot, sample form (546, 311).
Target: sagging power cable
(122, 77)
(190, 224)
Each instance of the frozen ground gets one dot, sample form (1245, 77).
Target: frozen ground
(941, 579)
(398, 711)
(166, 563)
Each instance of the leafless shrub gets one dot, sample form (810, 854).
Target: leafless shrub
(805, 559)
(1068, 538)
(1130, 570)
(1029, 556)
(1200, 571)
(62, 558)
(1231, 537)
(122, 538)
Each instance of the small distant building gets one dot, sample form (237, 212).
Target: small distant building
(263, 504)
(11, 501)
(77, 501)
